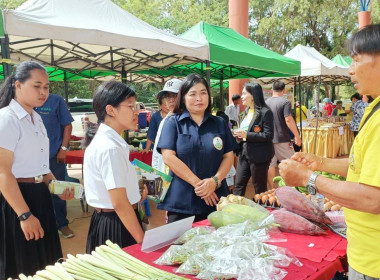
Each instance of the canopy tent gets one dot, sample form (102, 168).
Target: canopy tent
(89, 35)
(315, 67)
(342, 60)
(231, 55)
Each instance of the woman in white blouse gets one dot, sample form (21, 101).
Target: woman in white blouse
(28, 236)
(110, 179)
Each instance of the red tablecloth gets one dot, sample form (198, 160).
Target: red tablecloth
(320, 262)
(76, 157)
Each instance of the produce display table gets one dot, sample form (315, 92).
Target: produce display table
(76, 157)
(322, 256)
(330, 143)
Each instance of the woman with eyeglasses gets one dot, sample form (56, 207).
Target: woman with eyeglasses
(109, 177)
(198, 149)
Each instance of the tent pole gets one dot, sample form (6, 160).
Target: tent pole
(221, 94)
(300, 102)
(66, 87)
(5, 55)
(208, 74)
(317, 106)
(123, 74)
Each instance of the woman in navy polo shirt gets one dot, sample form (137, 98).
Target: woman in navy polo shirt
(198, 149)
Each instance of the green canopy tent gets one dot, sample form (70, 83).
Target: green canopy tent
(342, 60)
(232, 56)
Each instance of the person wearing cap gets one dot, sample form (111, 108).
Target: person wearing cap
(328, 107)
(166, 100)
(233, 110)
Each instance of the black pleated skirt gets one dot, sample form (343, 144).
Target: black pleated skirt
(17, 255)
(108, 226)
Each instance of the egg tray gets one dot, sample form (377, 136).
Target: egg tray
(267, 205)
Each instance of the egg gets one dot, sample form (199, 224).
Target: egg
(335, 207)
(256, 198)
(272, 199)
(264, 198)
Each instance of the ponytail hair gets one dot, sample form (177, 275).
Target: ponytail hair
(21, 74)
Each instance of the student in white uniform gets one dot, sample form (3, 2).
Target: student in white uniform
(28, 236)
(110, 179)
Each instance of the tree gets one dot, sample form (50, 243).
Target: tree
(282, 24)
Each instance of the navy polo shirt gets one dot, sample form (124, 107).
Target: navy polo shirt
(201, 148)
(56, 116)
(153, 126)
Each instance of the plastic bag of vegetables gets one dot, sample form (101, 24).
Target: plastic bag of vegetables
(188, 235)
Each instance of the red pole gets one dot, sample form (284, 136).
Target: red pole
(238, 20)
(364, 19)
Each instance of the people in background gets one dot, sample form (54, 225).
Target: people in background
(255, 136)
(29, 239)
(301, 112)
(357, 108)
(166, 100)
(339, 110)
(57, 120)
(198, 149)
(328, 107)
(360, 168)
(233, 110)
(283, 121)
(110, 179)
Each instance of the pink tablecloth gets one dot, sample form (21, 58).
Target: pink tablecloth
(76, 157)
(320, 262)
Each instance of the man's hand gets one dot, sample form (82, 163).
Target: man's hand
(32, 228)
(61, 156)
(297, 141)
(294, 173)
(313, 162)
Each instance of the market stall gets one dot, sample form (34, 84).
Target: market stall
(333, 140)
(321, 256)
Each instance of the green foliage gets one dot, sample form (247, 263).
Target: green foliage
(282, 24)
(10, 4)
(177, 16)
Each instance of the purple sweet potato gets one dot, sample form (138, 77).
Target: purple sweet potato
(291, 222)
(295, 202)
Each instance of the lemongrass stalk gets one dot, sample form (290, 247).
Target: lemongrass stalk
(110, 267)
(155, 271)
(37, 277)
(21, 276)
(90, 267)
(60, 268)
(103, 251)
(48, 275)
(83, 274)
(57, 272)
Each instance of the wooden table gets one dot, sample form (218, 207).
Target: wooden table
(330, 143)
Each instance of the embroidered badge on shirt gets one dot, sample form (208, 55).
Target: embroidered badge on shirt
(218, 143)
(257, 128)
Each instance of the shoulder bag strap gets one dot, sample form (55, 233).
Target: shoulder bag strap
(377, 106)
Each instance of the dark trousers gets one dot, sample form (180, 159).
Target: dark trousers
(246, 169)
(60, 209)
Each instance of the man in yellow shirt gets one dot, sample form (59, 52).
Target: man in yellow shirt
(360, 194)
(300, 110)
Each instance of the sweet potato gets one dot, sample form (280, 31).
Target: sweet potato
(295, 202)
(291, 222)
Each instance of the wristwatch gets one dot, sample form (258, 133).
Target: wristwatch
(217, 182)
(64, 148)
(310, 187)
(24, 216)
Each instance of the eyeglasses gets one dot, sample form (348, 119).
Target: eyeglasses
(134, 107)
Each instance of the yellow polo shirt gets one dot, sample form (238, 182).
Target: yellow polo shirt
(363, 229)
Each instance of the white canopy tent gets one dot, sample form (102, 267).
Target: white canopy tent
(90, 35)
(315, 66)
